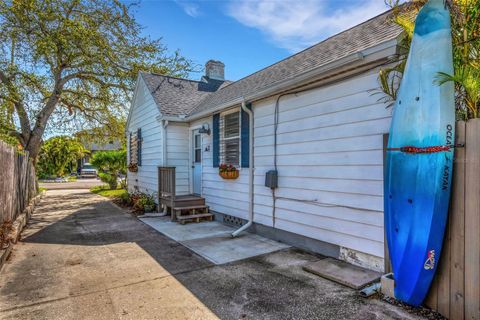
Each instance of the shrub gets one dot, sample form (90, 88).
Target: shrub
(126, 199)
(142, 200)
(59, 156)
(6, 229)
(109, 179)
(111, 164)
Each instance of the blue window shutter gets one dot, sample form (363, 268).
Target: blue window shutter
(216, 140)
(139, 146)
(129, 147)
(245, 138)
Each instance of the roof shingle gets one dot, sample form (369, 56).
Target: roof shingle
(176, 96)
(363, 36)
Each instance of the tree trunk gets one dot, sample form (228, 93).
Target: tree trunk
(33, 147)
(34, 143)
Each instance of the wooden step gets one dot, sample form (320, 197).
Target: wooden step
(195, 217)
(190, 207)
(189, 203)
(187, 197)
(188, 211)
(188, 200)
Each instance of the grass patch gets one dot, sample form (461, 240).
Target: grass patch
(109, 193)
(97, 189)
(118, 196)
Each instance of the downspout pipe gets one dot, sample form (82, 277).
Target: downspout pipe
(164, 159)
(164, 143)
(250, 172)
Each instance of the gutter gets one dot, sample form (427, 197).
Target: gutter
(171, 118)
(279, 86)
(250, 172)
(283, 85)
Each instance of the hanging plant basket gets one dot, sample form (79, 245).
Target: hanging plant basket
(228, 172)
(133, 167)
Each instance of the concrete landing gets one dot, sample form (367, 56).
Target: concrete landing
(343, 272)
(212, 240)
(188, 231)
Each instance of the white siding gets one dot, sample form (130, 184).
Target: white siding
(224, 196)
(178, 154)
(143, 115)
(330, 164)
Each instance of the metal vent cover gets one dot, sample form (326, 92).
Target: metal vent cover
(231, 220)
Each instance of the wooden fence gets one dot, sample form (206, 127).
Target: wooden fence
(17, 182)
(455, 291)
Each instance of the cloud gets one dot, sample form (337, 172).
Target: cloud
(295, 25)
(191, 8)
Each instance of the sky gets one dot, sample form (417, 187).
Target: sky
(248, 35)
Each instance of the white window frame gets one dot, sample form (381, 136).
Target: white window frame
(239, 137)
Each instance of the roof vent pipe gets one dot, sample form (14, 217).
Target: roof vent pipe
(250, 172)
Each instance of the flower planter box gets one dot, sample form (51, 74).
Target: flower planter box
(229, 174)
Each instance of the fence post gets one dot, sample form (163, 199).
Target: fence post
(472, 220)
(17, 176)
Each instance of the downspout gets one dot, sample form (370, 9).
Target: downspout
(164, 161)
(250, 172)
(164, 143)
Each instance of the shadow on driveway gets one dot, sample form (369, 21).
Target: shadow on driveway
(83, 257)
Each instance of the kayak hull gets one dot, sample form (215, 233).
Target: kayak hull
(417, 185)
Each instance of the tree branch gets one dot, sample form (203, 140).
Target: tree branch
(18, 136)
(19, 107)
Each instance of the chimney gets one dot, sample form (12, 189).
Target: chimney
(215, 70)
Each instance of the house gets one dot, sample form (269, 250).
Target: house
(93, 143)
(93, 148)
(316, 121)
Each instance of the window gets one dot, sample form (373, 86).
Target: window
(230, 138)
(198, 148)
(136, 147)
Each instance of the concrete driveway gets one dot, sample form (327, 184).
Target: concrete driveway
(83, 258)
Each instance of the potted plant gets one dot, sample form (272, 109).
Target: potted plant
(228, 171)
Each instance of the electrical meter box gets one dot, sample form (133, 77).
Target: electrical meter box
(271, 179)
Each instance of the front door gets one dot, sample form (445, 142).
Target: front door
(197, 162)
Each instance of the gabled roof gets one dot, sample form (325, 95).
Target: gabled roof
(92, 146)
(177, 96)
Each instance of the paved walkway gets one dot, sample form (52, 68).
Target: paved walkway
(83, 258)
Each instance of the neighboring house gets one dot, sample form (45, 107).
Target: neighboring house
(317, 109)
(95, 147)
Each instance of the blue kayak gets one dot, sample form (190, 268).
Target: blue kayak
(420, 157)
